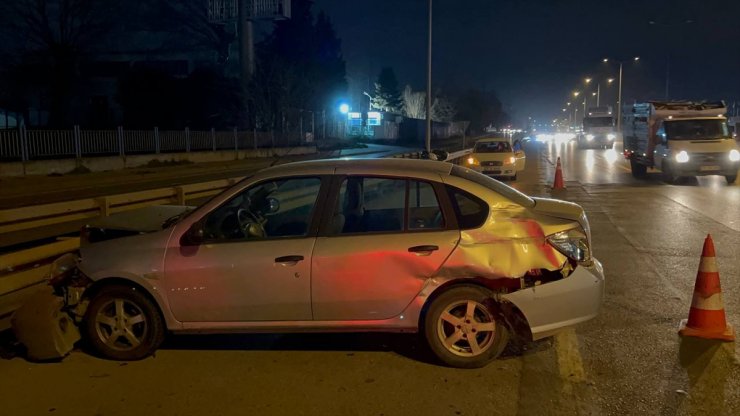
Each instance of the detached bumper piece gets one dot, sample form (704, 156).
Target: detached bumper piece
(47, 332)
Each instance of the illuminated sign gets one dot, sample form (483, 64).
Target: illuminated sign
(374, 118)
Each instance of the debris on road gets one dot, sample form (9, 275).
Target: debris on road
(46, 331)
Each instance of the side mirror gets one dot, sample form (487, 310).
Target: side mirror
(194, 236)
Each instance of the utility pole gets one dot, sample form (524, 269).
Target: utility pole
(619, 101)
(598, 94)
(246, 41)
(429, 84)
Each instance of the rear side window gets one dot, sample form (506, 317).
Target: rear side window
(471, 211)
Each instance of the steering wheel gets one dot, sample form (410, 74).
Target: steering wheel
(252, 225)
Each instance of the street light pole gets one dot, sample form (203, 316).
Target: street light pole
(619, 101)
(429, 84)
(598, 94)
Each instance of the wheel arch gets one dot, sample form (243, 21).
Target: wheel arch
(98, 285)
(512, 316)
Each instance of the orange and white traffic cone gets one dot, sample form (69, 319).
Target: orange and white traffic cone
(707, 313)
(559, 184)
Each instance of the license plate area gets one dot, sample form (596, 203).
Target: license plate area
(709, 168)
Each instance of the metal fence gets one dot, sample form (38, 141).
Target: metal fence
(26, 144)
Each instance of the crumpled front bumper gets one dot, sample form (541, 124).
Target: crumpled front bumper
(553, 306)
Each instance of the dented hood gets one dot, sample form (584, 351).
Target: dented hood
(138, 221)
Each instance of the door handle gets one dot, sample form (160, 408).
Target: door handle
(288, 260)
(423, 250)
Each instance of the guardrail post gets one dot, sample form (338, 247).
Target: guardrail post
(213, 138)
(121, 150)
(157, 144)
(23, 138)
(78, 146)
(104, 206)
(187, 139)
(180, 195)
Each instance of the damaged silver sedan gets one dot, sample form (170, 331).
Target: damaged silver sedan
(344, 245)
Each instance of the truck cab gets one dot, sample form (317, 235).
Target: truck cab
(682, 139)
(598, 129)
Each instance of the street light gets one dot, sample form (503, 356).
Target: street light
(369, 101)
(344, 108)
(588, 80)
(576, 93)
(619, 95)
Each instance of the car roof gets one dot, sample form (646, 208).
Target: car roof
(380, 166)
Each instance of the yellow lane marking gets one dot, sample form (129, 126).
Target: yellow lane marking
(570, 363)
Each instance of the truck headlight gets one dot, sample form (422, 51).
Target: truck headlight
(734, 155)
(611, 136)
(682, 157)
(589, 137)
(572, 243)
(472, 161)
(511, 160)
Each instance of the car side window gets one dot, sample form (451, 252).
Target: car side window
(424, 212)
(271, 209)
(369, 204)
(471, 211)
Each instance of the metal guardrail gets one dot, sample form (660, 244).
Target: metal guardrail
(19, 219)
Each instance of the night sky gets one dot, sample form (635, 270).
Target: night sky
(534, 53)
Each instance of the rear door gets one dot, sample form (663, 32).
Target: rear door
(384, 237)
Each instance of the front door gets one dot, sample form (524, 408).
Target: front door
(255, 263)
(386, 237)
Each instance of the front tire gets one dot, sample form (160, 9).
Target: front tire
(122, 323)
(462, 331)
(731, 179)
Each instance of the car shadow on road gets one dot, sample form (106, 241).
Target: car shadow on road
(407, 345)
(411, 346)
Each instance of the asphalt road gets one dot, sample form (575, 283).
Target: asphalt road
(627, 361)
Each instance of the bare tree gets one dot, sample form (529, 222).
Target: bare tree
(193, 19)
(50, 36)
(414, 103)
(443, 109)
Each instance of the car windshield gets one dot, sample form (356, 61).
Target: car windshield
(492, 147)
(698, 129)
(504, 190)
(598, 122)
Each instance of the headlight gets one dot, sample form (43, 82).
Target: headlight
(734, 155)
(572, 243)
(611, 136)
(61, 268)
(589, 137)
(511, 160)
(472, 161)
(682, 157)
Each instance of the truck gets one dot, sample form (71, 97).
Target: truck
(598, 129)
(681, 139)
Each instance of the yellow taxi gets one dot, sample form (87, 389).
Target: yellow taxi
(496, 157)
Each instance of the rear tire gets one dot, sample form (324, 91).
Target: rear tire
(122, 323)
(638, 170)
(462, 330)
